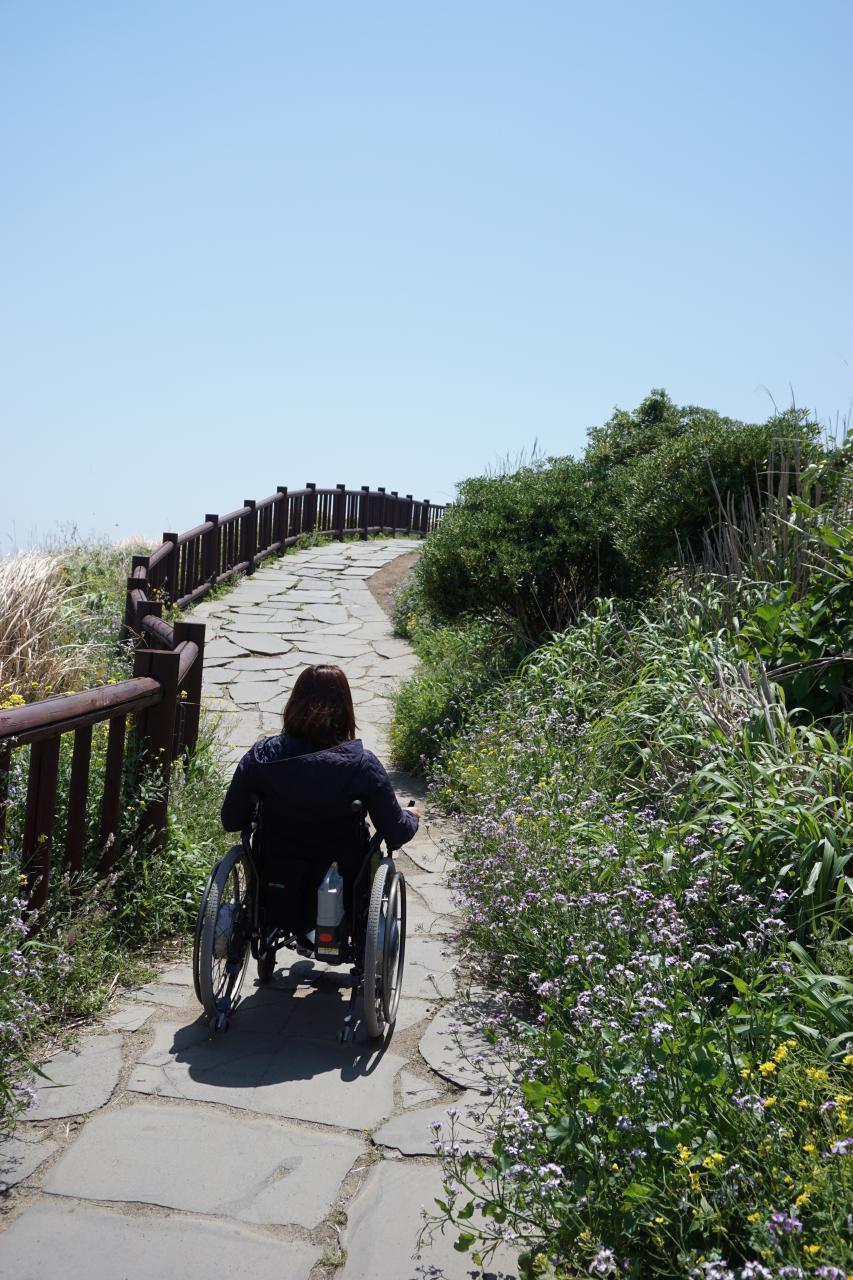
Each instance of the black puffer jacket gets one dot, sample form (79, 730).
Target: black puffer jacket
(307, 797)
(307, 820)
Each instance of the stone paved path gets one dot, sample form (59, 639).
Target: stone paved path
(270, 1152)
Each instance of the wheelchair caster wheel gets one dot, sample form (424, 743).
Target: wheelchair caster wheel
(221, 1022)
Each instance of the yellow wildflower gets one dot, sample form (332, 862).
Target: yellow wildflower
(817, 1073)
(753, 1217)
(771, 1101)
(811, 1249)
(767, 1068)
(781, 1053)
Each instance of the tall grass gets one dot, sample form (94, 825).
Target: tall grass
(37, 649)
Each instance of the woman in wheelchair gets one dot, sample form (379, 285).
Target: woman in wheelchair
(299, 799)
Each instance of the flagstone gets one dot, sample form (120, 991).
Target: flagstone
(128, 1018)
(57, 1241)
(174, 996)
(20, 1156)
(78, 1081)
(412, 1133)
(253, 1170)
(348, 1086)
(414, 1091)
(260, 643)
(384, 1222)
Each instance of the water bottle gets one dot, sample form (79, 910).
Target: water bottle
(330, 933)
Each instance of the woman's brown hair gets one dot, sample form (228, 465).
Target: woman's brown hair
(320, 707)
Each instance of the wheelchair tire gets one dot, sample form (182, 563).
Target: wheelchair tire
(224, 944)
(394, 951)
(384, 948)
(199, 925)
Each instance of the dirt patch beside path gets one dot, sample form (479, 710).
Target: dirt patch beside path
(386, 580)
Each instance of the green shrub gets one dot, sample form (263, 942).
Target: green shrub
(457, 664)
(533, 547)
(671, 495)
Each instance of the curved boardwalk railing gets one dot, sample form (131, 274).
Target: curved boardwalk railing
(164, 695)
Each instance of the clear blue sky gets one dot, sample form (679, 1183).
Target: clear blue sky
(253, 244)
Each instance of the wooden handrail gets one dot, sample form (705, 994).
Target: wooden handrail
(54, 716)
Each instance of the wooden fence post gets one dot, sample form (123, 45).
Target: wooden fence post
(210, 552)
(364, 511)
(383, 502)
(134, 582)
(169, 568)
(282, 523)
(249, 529)
(75, 827)
(111, 801)
(130, 625)
(311, 509)
(340, 510)
(38, 823)
(189, 707)
(143, 609)
(425, 518)
(410, 506)
(156, 733)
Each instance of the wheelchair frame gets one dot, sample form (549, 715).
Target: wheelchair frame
(230, 927)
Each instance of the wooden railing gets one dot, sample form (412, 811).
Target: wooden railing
(187, 565)
(164, 695)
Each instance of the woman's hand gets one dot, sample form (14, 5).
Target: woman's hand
(413, 808)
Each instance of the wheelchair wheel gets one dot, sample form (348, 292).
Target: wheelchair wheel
(224, 942)
(384, 948)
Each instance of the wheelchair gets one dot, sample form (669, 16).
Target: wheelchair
(237, 919)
